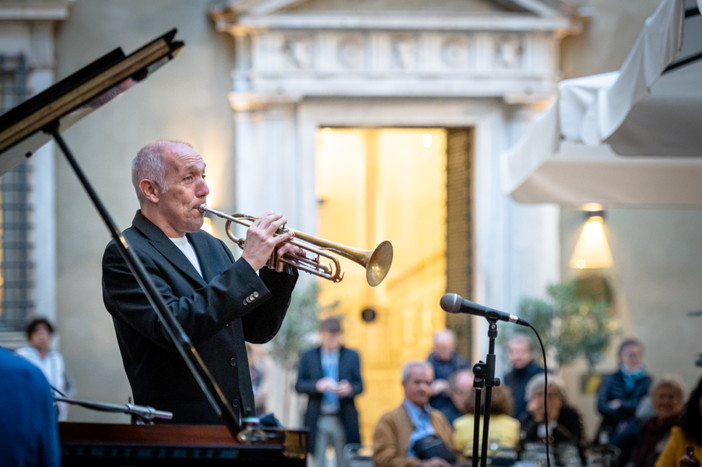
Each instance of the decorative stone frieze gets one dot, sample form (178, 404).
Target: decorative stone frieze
(515, 66)
(284, 57)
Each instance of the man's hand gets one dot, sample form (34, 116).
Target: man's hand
(344, 388)
(261, 240)
(439, 386)
(287, 249)
(326, 384)
(614, 404)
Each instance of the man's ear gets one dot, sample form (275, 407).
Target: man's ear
(150, 190)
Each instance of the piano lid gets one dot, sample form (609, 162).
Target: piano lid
(72, 98)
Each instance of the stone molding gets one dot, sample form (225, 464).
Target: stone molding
(284, 58)
(34, 10)
(27, 27)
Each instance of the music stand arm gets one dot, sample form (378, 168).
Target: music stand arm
(143, 413)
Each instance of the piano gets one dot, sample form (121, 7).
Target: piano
(113, 445)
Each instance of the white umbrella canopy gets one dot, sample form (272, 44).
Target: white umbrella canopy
(667, 121)
(641, 109)
(578, 174)
(624, 138)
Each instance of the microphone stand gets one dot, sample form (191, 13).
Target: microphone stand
(479, 372)
(484, 377)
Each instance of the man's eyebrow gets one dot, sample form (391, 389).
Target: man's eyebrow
(195, 166)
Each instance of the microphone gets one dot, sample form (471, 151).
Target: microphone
(454, 303)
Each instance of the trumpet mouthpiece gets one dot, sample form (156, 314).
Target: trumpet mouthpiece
(202, 208)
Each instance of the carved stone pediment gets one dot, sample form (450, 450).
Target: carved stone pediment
(288, 50)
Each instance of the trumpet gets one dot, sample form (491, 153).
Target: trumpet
(376, 262)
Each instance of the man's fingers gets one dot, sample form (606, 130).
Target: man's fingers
(270, 222)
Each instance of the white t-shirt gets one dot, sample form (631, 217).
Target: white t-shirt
(184, 245)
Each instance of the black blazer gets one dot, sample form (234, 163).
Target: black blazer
(219, 310)
(310, 371)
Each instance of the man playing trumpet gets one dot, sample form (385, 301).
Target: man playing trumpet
(220, 302)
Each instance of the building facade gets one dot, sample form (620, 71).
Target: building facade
(388, 120)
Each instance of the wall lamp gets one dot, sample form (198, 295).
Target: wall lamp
(592, 249)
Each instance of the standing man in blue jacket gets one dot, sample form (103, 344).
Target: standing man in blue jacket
(331, 377)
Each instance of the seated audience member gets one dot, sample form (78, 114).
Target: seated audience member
(445, 361)
(28, 429)
(400, 433)
(667, 398)
(620, 394)
(565, 423)
(523, 369)
(503, 429)
(460, 386)
(689, 433)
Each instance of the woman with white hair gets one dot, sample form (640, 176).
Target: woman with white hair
(686, 436)
(565, 424)
(667, 399)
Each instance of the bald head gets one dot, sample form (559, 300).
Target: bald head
(150, 164)
(444, 344)
(169, 178)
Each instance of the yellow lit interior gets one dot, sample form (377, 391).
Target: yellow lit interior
(376, 184)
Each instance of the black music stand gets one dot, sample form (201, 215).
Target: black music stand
(30, 125)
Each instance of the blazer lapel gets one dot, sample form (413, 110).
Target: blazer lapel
(342, 361)
(202, 249)
(320, 368)
(166, 247)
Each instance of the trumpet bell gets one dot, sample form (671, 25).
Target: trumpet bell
(379, 263)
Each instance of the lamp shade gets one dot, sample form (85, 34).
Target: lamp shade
(592, 249)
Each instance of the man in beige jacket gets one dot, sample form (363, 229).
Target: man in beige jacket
(399, 429)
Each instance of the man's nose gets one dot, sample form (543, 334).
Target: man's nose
(203, 189)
